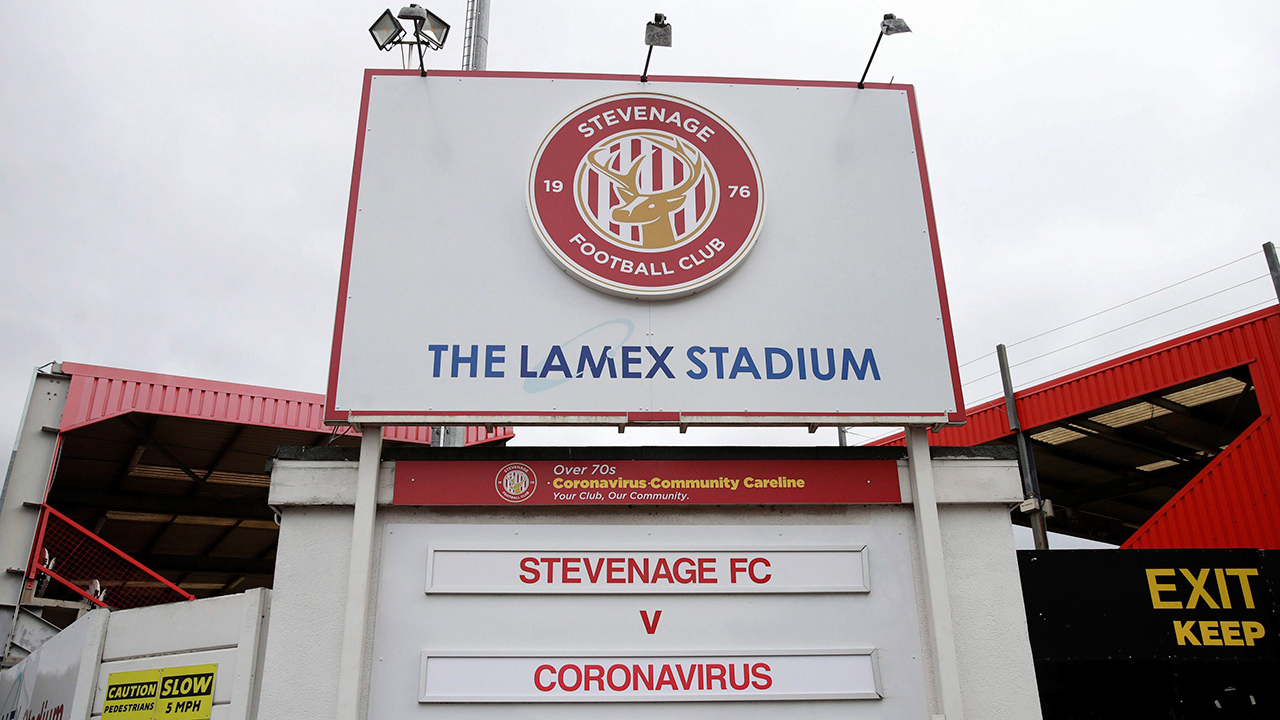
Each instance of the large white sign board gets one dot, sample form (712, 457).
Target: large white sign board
(853, 644)
(594, 250)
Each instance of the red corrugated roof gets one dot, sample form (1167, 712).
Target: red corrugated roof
(1235, 500)
(98, 393)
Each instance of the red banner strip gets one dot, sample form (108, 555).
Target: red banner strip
(646, 482)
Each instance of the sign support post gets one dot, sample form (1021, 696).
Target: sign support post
(351, 661)
(946, 670)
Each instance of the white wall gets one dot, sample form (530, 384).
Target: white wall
(72, 669)
(996, 671)
(227, 631)
(300, 670)
(300, 675)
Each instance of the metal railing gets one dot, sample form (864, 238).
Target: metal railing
(92, 568)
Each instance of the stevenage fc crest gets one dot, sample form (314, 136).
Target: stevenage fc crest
(515, 482)
(646, 196)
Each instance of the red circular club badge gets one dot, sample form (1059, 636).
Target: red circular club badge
(646, 196)
(515, 482)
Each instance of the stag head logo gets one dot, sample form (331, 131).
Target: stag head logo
(647, 190)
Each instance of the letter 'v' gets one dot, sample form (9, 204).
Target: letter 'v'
(650, 625)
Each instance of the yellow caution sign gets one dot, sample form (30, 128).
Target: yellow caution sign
(131, 695)
(186, 693)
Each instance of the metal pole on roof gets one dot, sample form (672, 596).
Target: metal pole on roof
(1269, 249)
(475, 44)
(1026, 459)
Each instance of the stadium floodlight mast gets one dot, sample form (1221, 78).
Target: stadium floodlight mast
(428, 31)
(890, 25)
(656, 33)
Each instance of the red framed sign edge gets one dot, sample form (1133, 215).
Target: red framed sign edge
(335, 416)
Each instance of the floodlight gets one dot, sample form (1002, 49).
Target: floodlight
(386, 31)
(435, 30)
(426, 26)
(890, 25)
(428, 30)
(656, 34)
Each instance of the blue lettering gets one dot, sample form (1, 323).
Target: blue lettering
(555, 363)
(460, 359)
(492, 359)
(719, 353)
(744, 363)
(586, 361)
(831, 364)
(860, 371)
(659, 362)
(628, 351)
(436, 350)
(525, 372)
(779, 363)
(693, 355)
(769, 354)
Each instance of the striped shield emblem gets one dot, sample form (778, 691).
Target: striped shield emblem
(646, 190)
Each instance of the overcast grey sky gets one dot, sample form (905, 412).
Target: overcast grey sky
(174, 176)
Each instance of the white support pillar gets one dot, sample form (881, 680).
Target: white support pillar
(351, 663)
(946, 670)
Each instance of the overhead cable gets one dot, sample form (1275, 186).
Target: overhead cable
(1122, 327)
(1234, 313)
(1113, 307)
